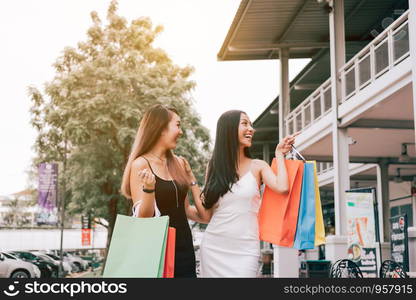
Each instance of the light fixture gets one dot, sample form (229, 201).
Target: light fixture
(397, 178)
(274, 111)
(404, 157)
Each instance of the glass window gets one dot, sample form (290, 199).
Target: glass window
(401, 210)
(394, 211)
(407, 209)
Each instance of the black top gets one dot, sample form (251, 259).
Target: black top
(174, 207)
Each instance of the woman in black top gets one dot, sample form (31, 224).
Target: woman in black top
(158, 182)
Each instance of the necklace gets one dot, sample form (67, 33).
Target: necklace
(176, 189)
(158, 157)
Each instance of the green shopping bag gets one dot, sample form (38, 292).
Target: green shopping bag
(137, 247)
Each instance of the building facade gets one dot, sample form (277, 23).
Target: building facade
(354, 103)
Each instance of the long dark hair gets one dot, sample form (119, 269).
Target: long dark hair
(154, 121)
(222, 167)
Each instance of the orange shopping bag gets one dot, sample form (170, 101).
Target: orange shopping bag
(278, 213)
(169, 268)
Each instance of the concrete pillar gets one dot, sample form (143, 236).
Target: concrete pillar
(385, 253)
(286, 262)
(414, 210)
(412, 46)
(339, 135)
(412, 249)
(336, 247)
(384, 200)
(284, 98)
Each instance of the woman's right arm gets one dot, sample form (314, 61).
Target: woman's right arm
(198, 212)
(141, 177)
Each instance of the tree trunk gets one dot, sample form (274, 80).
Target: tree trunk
(112, 212)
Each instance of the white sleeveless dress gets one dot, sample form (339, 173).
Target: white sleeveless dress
(230, 246)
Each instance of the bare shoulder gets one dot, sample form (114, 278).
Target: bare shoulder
(259, 164)
(139, 164)
(182, 160)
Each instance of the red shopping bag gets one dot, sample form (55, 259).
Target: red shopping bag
(278, 213)
(169, 268)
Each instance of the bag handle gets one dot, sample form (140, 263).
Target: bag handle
(297, 154)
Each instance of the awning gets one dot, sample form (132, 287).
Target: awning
(261, 27)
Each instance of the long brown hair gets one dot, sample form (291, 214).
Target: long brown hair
(154, 121)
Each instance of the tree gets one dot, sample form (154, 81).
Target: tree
(91, 110)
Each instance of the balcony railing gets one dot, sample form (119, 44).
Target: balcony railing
(310, 110)
(384, 52)
(323, 167)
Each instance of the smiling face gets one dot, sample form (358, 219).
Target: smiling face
(245, 131)
(172, 132)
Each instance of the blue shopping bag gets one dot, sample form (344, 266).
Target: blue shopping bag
(305, 229)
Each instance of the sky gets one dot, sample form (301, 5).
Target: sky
(34, 33)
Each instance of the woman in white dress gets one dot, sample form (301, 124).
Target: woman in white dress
(230, 246)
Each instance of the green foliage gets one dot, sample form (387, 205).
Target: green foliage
(94, 103)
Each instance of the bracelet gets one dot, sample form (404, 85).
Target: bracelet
(193, 183)
(148, 191)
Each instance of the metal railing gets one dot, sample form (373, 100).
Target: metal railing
(384, 52)
(323, 167)
(310, 110)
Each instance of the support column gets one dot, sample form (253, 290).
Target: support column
(384, 200)
(414, 210)
(286, 262)
(412, 249)
(339, 135)
(284, 98)
(412, 46)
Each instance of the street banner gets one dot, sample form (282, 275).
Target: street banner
(361, 230)
(86, 237)
(399, 241)
(48, 186)
(86, 230)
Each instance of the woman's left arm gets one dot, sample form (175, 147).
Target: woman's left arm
(278, 182)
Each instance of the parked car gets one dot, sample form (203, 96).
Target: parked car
(12, 267)
(47, 269)
(80, 263)
(65, 265)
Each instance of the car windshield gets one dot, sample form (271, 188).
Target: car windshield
(44, 257)
(9, 255)
(53, 256)
(18, 254)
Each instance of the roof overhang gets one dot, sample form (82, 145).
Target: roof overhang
(261, 27)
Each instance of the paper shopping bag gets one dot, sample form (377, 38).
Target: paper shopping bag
(305, 229)
(279, 212)
(169, 271)
(319, 222)
(137, 248)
